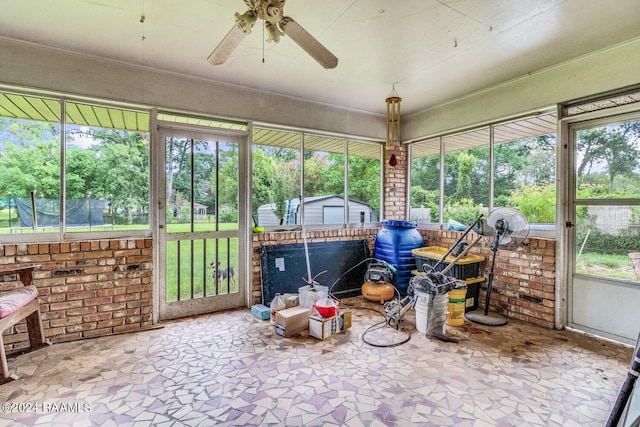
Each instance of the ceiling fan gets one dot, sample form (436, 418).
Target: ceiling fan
(276, 25)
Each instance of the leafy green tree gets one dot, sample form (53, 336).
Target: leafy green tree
(463, 211)
(263, 169)
(122, 169)
(34, 144)
(536, 202)
(315, 169)
(608, 148)
(364, 180)
(466, 164)
(228, 176)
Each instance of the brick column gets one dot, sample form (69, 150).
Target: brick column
(395, 182)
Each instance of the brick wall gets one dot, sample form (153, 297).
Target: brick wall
(101, 287)
(293, 237)
(524, 277)
(395, 182)
(86, 288)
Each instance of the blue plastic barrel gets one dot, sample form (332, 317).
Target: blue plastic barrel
(394, 243)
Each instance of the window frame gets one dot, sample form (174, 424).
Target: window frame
(61, 233)
(543, 114)
(346, 141)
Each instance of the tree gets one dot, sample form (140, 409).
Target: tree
(43, 158)
(364, 180)
(536, 202)
(466, 164)
(122, 169)
(607, 149)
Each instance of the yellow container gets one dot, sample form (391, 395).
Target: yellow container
(437, 252)
(456, 308)
(466, 267)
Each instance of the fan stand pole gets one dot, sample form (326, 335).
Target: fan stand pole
(486, 318)
(494, 248)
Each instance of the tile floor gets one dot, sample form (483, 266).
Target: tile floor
(230, 369)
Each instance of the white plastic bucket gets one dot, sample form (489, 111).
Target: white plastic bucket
(422, 311)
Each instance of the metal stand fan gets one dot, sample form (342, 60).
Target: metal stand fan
(505, 226)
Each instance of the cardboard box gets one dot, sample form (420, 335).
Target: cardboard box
(292, 300)
(292, 321)
(326, 327)
(260, 311)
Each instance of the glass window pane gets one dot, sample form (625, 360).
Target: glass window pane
(466, 177)
(364, 181)
(107, 169)
(608, 241)
(323, 177)
(608, 162)
(222, 186)
(425, 182)
(524, 177)
(276, 177)
(29, 164)
(202, 185)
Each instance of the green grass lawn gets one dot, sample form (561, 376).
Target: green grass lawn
(195, 257)
(189, 272)
(188, 267)
(605, 265)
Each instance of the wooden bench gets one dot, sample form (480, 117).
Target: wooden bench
(18, 304)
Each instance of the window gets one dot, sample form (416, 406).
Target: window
(364, 177)
(291, 167)
(523, 166)
(29, 163)
(324, 165)
(466, 176)
(607, 201)
(105, 170)
(425, 182)
(276, 177)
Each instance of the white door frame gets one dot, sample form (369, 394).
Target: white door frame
(160, 130)
(618, 294)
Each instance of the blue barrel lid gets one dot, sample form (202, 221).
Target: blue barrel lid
(399, 224)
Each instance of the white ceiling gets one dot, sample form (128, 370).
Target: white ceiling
(433, 50)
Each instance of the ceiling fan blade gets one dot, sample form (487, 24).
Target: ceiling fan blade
(228, 44)
(307, 42)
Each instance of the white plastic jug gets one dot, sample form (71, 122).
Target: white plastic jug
(277, 304)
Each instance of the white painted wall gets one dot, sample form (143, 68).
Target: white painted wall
(609, 69)
(32, 66)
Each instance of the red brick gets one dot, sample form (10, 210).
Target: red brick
(111, 323)
(82, 311)
(98, 301)
(112, 307)
(66, 305)
(96, 317)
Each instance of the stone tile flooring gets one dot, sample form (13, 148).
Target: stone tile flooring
(231, 369)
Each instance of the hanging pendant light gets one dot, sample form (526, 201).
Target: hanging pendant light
(393, 117)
